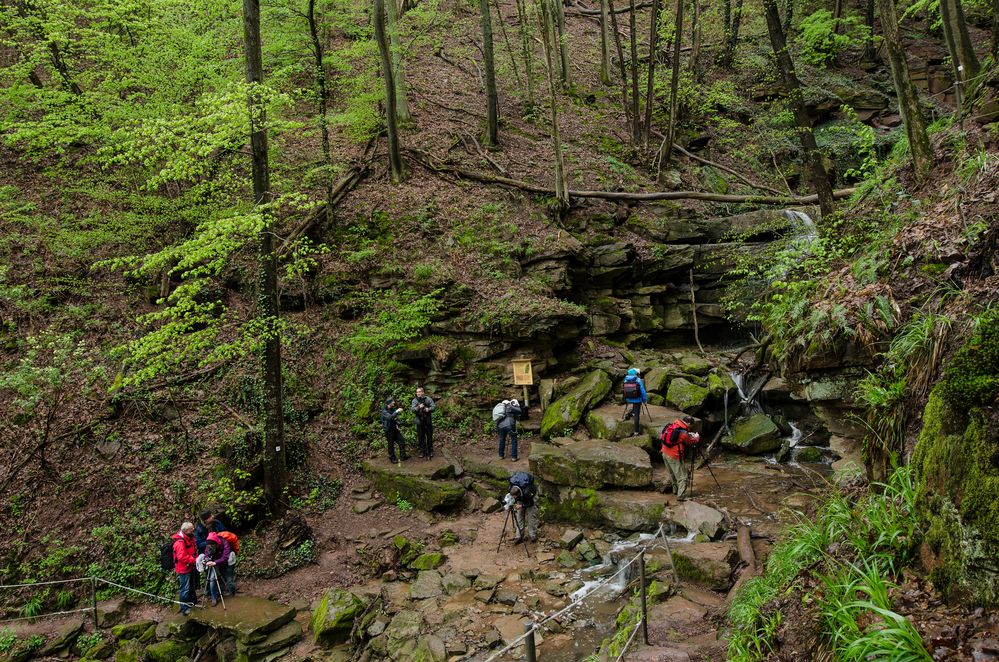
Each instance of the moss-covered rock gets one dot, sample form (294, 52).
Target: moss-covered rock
(401, 634)
(287, 635)
(132, 630)
(426, 485)
(754, 435)
(168, 650)
(427, 561)
(707, 563)
(622, 510)
(687, 396)
(657, 379)
(568, 411)
(719, 385)
(334, 617)
(691, 364)
(808, 454)
(408, 549)
(130, 651)
(958, 498)
(591, 463)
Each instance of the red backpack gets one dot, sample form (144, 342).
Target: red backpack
(232, 538)
(668, 438)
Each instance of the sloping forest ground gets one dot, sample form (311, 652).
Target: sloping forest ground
(112, 437)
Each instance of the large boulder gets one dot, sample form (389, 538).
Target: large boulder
(284, 637)
(246, 617)
(707, 563)
(592, 463)
(567, 411)
(697, 518)
(168, 650)
(687, 396)
(334, 617)
(754, 435)
(622, 510)
(607, 422)
(426, 485)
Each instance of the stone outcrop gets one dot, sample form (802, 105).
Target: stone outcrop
(592, 463)
(246, 617)
(567, 411)
(697, 518)
(754, 435)
(427, 485)
(622, 510)
(707, 563)
(334, 617)
(687, 396)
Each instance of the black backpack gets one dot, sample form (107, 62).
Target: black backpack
(522, 479)
(630, 389)
(166, 556)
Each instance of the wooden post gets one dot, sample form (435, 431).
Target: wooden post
(93, 600)
(645, 604)
(532, 654)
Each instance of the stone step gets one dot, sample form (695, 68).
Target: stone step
(249, 619)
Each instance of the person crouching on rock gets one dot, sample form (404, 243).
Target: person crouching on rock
(393, 435)
(676, 438)
(525, 512)
(506, 414)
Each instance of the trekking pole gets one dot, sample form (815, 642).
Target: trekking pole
(706, 464)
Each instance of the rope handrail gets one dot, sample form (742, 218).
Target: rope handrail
(54, 581)
(54, 613)
(627, 644)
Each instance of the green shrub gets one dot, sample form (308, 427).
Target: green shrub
(819, 40)
(972, 377)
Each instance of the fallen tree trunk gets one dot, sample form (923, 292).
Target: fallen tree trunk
(426, 161)
(747, 556)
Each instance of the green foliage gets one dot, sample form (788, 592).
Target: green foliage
(7, 640)
(395, 317)
(823, 38)
(33, 606)
(241, 498)
(402, 504)
(88, 640)
(850, 543)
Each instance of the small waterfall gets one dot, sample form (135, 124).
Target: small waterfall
(808, 230)
(796, 434)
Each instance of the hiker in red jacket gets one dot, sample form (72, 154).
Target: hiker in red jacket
(185, 555)
(675, 440)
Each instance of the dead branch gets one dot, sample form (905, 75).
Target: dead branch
(693, 312)
(742, 178)
(424, 159)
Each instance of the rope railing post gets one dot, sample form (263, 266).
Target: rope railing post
(645, 604)
(93, 600)
(532, 655)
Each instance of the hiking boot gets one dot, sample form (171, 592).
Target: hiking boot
(213, 602)
(518, 540)
(532, 538)
(513, 459)
(393, 460)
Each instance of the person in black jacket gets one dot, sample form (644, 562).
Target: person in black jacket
(393, 435)
(506, 414)
(423, 408)
(525, 512)
(207, 523)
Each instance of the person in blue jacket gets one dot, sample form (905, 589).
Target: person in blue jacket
(634, 395)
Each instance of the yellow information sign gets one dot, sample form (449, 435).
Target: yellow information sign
(522, 374)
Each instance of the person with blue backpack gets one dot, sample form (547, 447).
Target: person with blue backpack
(634, 393)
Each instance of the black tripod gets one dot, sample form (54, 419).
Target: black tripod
(502, 538)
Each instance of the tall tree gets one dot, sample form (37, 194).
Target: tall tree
(653, 56)
(550, 35)
(563, 45)
(525, 46)
(492, 112)
(398, 75)
(275, 465)
(732, 21)
(636, 117)
(319, 67)
(815, 169)
(391, 126)
(962, 52)
(622, 67)
(606, 77)
(695, 41)
(674, 82)
(908, 100)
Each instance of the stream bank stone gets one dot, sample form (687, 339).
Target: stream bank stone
(567, 411)
(707, 563)
(427, 485)
(427, 585)
(334, 617)
(592, 463)
(401, 633)
(246, 617)
(696, 517)
(754, 435)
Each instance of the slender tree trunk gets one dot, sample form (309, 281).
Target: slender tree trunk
(275, 465)
(788, 16)
(492, 112)
(620, 60)
(837, 15)
(506, 41)
(695, 40)
(674, 83)
(606, 77)
(816, 170)
(550, 36)
(636, 117)
(395, 159)
(869, 50)
(650, 80)
(322, 99)
(525, 46)
(908, 100)
(962, 53)
(733, 22)
(995, 31)
(563, 45)
(398, 75)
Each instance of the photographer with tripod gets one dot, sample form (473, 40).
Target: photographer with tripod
(423, 408)
(521, 500)
(677, 438)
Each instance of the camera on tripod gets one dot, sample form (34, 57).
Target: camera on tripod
(508, 501)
